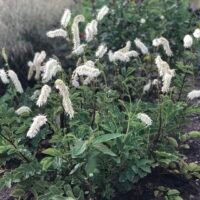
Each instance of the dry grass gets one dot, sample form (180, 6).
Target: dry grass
(24, 20)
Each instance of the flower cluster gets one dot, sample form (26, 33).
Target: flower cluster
(124, 54)
(162, 41)
(165, 72)
(66, 102)
(88, 70)
(38, 122)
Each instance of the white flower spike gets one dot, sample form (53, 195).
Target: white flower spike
(66, 102)
(102, 13)
(139, 44)
(14, 78)
(65, 18)
(35, 127)
(45, 92)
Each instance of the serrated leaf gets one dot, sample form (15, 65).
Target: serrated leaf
(52, 152)
(173, 192)
(46, 163)
(79, 148)
(104, 149)
(106, 138)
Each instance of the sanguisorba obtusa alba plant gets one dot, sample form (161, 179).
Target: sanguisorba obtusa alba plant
(92, 133)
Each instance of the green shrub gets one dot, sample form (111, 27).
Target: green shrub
(118, 118)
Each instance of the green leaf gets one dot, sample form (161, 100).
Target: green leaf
(173, 192)
(106, 138)
(52, 152)
(173, 142)
(79, 148)
(104, 149)
(4, 148)
(46, 163)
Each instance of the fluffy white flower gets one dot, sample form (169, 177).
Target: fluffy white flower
(147, 87)
(65, 18)
(75, 30)
(38, 122)
(51, 68)
(31, 70)
(101, 51)
(57, 33)
(87, 70)
(145, 119)
(188, 41)
(14, 78)
(167, 78)
(3, 76)
(139, 44)
(197, 33)
(91, 30)
(193, 94)
(22, 110)
(142, 21)
(126, 48)
(37, 61)
(162, 66)
(39, 58)
(165, 72)
(66, 102)
(102, 13)
(165, 44)
(45, 92)
(35, 66)
(124, 54)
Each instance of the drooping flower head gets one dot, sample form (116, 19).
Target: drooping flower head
(50, 69)
(102, 13)
(145, 119)
(66, 102)
(165, 44)
(75, 30)
(14, 78)
(87, 71)
(38, 122)
(45, 92)
(124, 54)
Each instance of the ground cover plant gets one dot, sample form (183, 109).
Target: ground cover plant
(93, 131)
